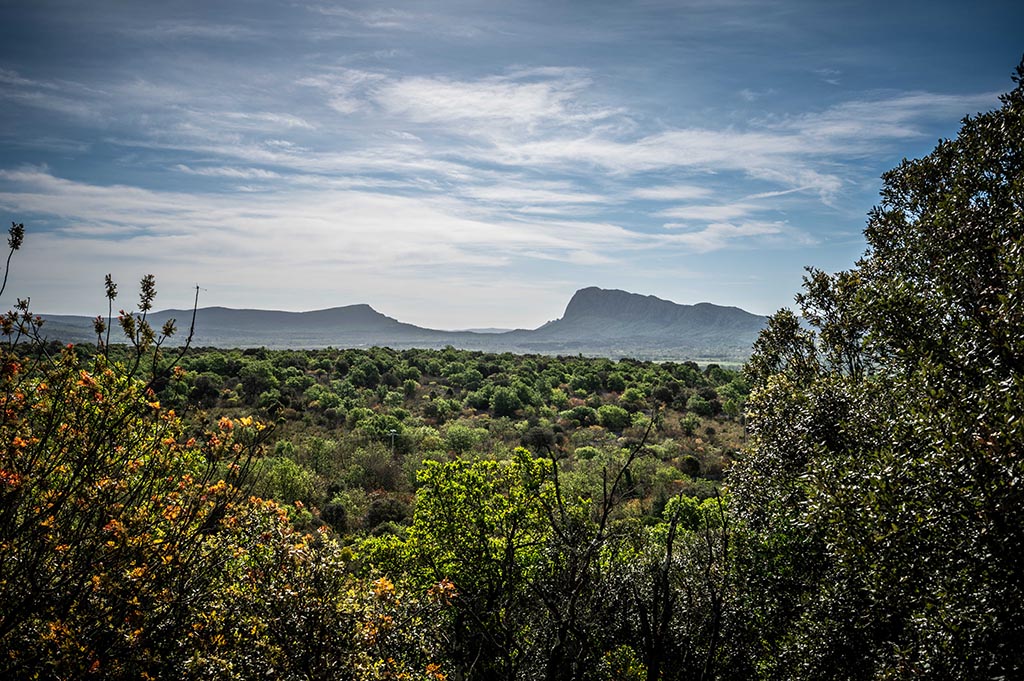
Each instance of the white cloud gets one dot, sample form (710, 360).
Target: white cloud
(679, 192)
(345, 89)
(709, 149)
(13, 78)
(229, 172)
(390, 19)
(60, 96)
(707, 213)
(291, 229)
(261, 120)
(777, 157)
(527, 99)
(719, 235)
(829, 75)
(170, 30)
(863, 124)
(386, 17)
(519, 194)
(753, 95)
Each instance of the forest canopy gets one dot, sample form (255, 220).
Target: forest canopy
(884, 478)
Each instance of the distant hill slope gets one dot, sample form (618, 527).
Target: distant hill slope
(600, 318)
(618, 314)
(349, 321)
(596, 322)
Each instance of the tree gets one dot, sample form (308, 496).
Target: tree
(673, 592)
(505, 401)
(699, 405)
(460, 438)
(613, 417)
(256, 378)
(633, 399)
(481, 526)
(883, 483)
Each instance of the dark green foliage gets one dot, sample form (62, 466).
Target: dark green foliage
(699, 405)
(539, 439)
(615, 382)
(883, 487)
(583, 415)
(386, 509)
(365, 374)
(613, 417)
(335, 515)
(256, 378)
(505, 401)
(460, 439)
(690, 465)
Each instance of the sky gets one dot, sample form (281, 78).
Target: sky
(464, 164)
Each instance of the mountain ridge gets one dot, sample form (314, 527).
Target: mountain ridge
(596, 321)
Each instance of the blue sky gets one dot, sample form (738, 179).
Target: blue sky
(459, 164)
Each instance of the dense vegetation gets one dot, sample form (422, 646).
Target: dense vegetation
(351, 513)
(351, 428)
(373, 514)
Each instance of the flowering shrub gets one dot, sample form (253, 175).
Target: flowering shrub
(130, 548)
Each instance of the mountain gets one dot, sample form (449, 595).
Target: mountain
(487, 329)
(616, 314)
(353, 318)
(596, 322)
(621, 321)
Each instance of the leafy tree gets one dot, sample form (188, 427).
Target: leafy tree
(386, 509)
(505, 401)
(615, 382)
(673, 595)
(883, 482)
(409, 387)
(613, 417)
(283, 479)
(460, 439)
(699, 405)
(480, 525)
(559, 399)
(539, 439)
(257, 377)
(689, 423)
(633, 399)
(292, 609)
(582, 415)
(586, 382)
(336, 515)
(365, 374)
